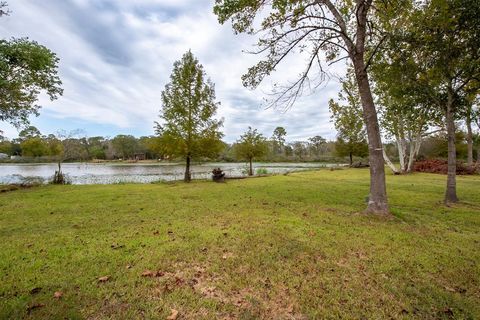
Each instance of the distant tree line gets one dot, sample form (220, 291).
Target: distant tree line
(33, 145)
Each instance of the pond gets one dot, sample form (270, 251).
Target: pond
(109, 173)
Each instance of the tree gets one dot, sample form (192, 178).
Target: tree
(125, 146)
(5, 145)
(317, 144)
(64, 146)
(57, 150)
(150, 145)
(251, 145)
(3, 8)
(350, 149)
(26, 69)
(319, 30)
(476, 137)
(32, 143)
(443, 35)
(96, 147)
(471, 114)
(476, 143)
(299, 149)
(29, 132)
(189, 128)
(404, 114)
(278, 138)
(347, 119)
(34, 147)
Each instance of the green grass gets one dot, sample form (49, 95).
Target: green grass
(282, 247)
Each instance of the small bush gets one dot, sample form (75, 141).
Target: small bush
(261, 171)
(60, 178)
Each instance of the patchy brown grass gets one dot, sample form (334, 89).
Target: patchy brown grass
(283, 247)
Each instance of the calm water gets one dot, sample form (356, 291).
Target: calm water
(108, 173)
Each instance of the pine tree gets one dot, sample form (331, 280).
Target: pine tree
(188, 127)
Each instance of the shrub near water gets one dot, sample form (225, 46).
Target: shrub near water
(262, 171)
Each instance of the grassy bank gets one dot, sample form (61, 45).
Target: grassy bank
(283, 247)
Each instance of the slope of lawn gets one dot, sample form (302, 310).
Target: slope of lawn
(282, 247)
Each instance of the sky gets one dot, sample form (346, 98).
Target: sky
(116, 58)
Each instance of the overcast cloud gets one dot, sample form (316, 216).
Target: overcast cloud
(116, 57)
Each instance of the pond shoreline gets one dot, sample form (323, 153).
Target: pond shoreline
(113, 173)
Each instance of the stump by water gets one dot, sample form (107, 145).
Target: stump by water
(218, 175)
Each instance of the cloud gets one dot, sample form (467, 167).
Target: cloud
(116, 57)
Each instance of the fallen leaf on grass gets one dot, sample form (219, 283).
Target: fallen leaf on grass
(227, 255)
(167, 288)
(342, 262)
(448, 311)
(290, 308)
(361, 256)
(58, 294)
(149, 273)
(192, 282)
(35, 306)
(35, 290)
(104, 279)
(179, 281)
(173, 315)
(450, 289)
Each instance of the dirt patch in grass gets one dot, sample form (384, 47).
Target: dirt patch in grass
(15, 187)
(272, 301)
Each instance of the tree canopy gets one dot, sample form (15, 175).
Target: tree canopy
(439, 55)
(347, 118)
(26, 69)
(320, 31)
(251, 145)
(3, 8)
(188, 127)
(278, 138)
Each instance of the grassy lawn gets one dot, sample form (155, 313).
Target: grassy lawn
(283, 247)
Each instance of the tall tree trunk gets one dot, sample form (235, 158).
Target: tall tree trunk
(402, 148)
(250, 171)
(417, 142)
(188, 176)
(451, 192)
(389, 163)
(377, 202)
(411, 153)
(401, 144)
(351, 158)
(469, 140)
